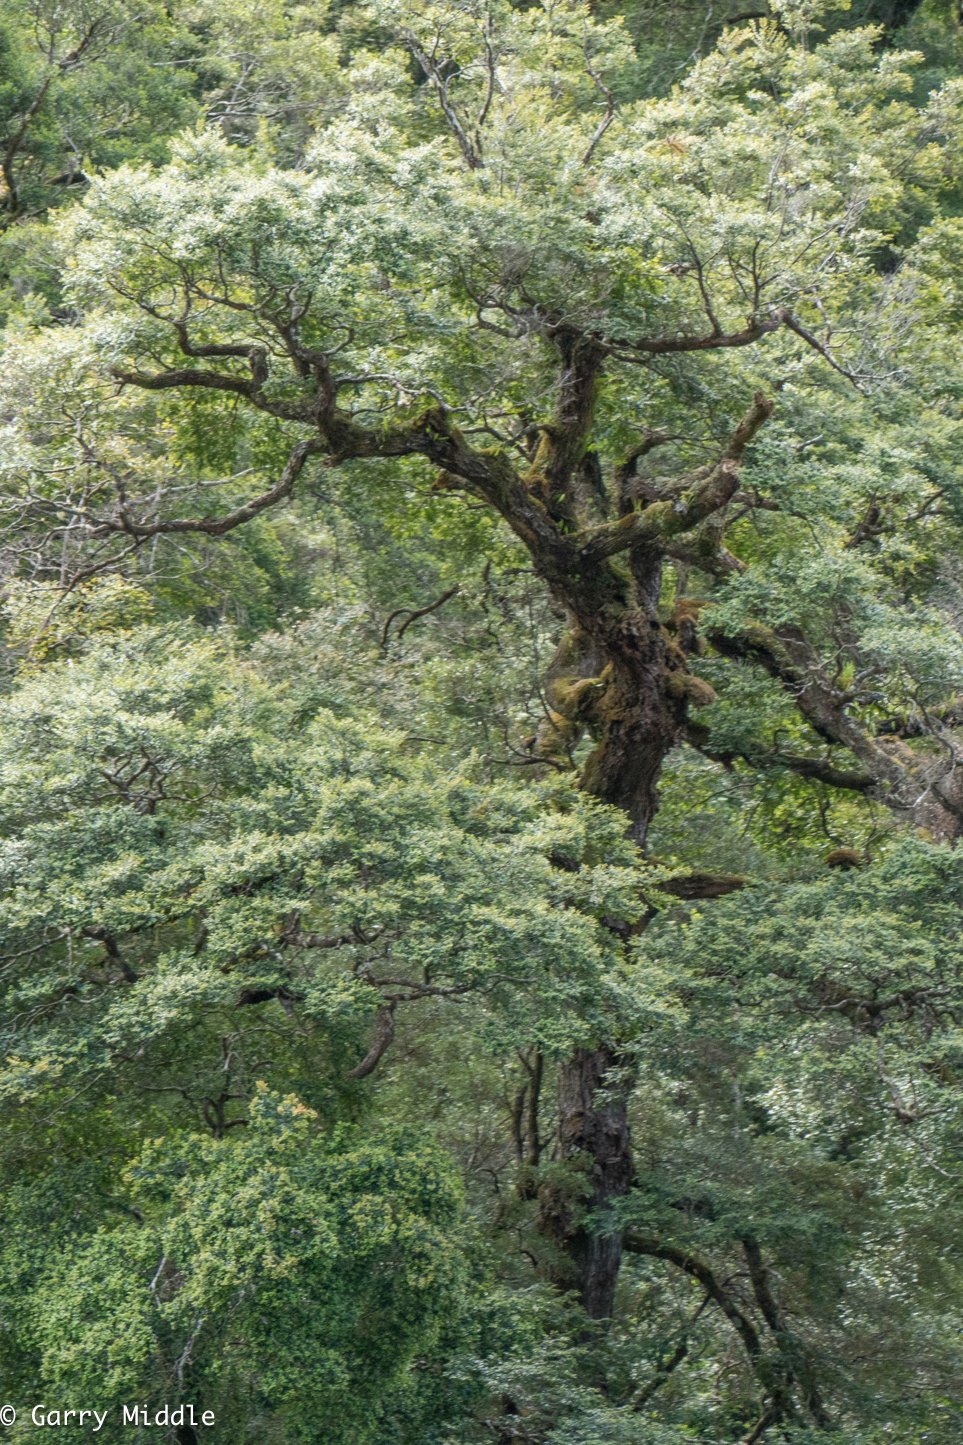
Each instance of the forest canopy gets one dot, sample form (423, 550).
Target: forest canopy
(481, 720)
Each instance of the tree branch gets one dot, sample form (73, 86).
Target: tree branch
(819, 770)
(413, 614)
(215, 381)
(383, 1035)
(432, 73)
(787, 657)
(712, 341)
(691, 1264)
(666, 519)
(218, 526)
(703, 885)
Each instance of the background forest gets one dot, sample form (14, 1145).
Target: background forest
(481, 719)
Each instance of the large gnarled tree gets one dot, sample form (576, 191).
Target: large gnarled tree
(638, 333)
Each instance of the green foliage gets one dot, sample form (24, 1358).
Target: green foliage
(174, 822)
(281, 1278)
(83, 85)
(820, 1050)
(301, 922)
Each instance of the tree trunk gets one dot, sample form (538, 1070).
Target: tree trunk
(639, 720)
(638, 717)
(593, 1134)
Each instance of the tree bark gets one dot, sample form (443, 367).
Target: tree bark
(638, 717)
(594, 1135)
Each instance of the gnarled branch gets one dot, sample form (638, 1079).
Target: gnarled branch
(666, 519)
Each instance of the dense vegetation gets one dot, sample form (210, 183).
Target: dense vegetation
(481, 719)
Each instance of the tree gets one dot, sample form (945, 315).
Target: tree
(664, 347)
(247, 1277)
(81, 88)
(198, 868)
